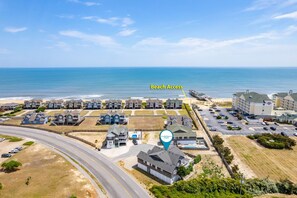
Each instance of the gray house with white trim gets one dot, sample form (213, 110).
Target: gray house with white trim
(173, 104)
(54, 104)
(133, 104)
(154, 104)
(32, 104)
(113, 104)
(116, 136)
(35, 118)
(161, 163)
(93, 104)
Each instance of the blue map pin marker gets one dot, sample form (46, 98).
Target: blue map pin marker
(166, 138)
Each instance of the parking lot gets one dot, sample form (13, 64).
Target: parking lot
(6, 147)
(221, 125)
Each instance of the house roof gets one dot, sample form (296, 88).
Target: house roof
(166, 160)
(117, 130)
(253, 96)
(284, 94)
(112, 113)
(179, 130)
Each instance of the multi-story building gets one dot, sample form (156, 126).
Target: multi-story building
(173, 104)
(113, 104)
(32, 104)
(286, 101)
(74, 104)
(116, 136)
(161, 163)
(133, 104)
(35, 118)
(67, 118)
(112, 118)
(252, 103)
(153, 104)
(182, 134)
(9, 106)
(182, 120)
(93, 104)
(54, 104)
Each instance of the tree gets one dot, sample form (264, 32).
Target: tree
(197, 159)
(11, 165)
(217, 140)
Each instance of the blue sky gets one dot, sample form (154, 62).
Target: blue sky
(88, 33)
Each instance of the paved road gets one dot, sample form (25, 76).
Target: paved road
(114, 180)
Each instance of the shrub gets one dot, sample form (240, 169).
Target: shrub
(11, 165)
(273, 141)
(197, 159)
(28, 143)
(40, 109)
(1, 186)
(184, 171)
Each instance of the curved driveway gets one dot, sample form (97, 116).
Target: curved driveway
(114, 180)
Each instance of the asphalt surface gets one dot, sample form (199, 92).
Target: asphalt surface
(252, 128)
(113, 179)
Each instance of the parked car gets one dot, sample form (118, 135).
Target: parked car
(229, 122)
(266, 123)
(283, 134)
(221, 122)
(273, 128)
(14, 151)
(276, 123)
(263, 123)
(135, 142)
(295, 134)
(210, 110)
(19, 148)
(265, 128)
(213, 129)
(218, 110)
(200, 109)
(6, 155)
(295, 128)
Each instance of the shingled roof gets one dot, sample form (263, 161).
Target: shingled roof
(166, 160)
(179, 130)
(253, 96)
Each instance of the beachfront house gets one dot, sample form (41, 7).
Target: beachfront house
(32, 104)
(161, 163)
(67, 118)
(9, 106)
(35, 118)
(173, 104)
(153, 104)
(287, 101)
(133, 104)
(74, 104)
(116, 136)
(182, 120)
(182, 134)
(113, 104)
(54, 104)
(112, 117)
(252, 103)
(93, 104)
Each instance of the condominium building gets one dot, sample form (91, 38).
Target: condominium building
(252, 103)
(286, 101)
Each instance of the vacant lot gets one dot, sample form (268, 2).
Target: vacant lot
(160, 112)
(94, 137)
(171, 112)
(88, 124)
(144, 112)
(51, 176)
(147, 123)
(271, 163)
(98, 112)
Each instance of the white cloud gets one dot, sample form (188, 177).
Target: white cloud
(66, 16)
(114, 21)
(104, 41)
(127, 32)
(86, 3)
(264, 4)
(292, 15)
(15, 29)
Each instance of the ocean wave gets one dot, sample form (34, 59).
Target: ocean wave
(16, 98)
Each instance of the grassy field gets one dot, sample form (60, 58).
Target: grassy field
(127, 112)
(161, 112)
(51, 176)
(146, 123)
(171, 112)
(98, 112)
(144, 112)
(92, 137)
(271, 163)
(183, 112)
(87, 124)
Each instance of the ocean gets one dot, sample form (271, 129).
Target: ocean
(121, 83)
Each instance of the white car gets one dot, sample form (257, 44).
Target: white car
(14, 151)
(295, 134)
